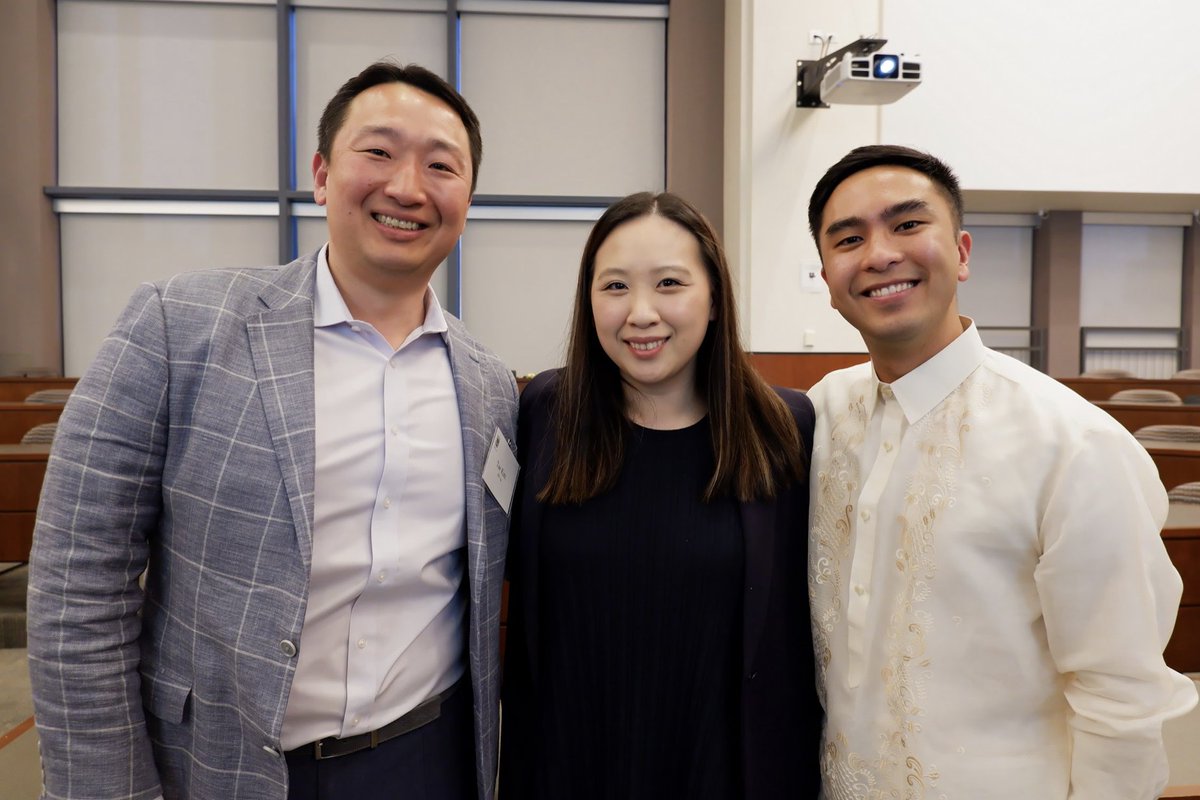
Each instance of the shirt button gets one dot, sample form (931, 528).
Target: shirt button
(860, 590)
(866, 515)
(887, 447)
(387, 502)
(354, 721)
(288, 648)
(395, 430)
(887, 392)
(382, 576)
(362, 643)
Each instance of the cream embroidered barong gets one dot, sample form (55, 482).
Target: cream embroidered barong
(990, 594)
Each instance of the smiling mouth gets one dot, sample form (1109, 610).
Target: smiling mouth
(647, 347)
(890, 289)
(398, 224)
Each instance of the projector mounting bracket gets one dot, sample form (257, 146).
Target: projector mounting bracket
(810, 73)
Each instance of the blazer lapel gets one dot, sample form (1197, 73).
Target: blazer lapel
(468, 387)
(281, 345)
(758, 533)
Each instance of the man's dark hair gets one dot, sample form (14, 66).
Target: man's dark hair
(414, 75)
(883, 155)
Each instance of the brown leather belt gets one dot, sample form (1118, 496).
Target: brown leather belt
(425, 713)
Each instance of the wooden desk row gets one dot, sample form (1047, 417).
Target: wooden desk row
(16, 389)
(1191, 792)
(16, 418)
(1176, 466)
(22, 468)
(1138, 415)
(1104, 388)
(1183, 651)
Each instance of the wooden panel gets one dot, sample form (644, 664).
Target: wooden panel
(1182, 792)
(1134, 416)
(802, 370)
(17, 418)
(16, 535)
(14, 390)
(1104, 388)
(1176, 467)
(21, 484)
(1183, 651)
(22, 469)
(1185, 555)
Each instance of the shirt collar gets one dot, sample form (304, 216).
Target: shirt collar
(921, 390)
(329, 308)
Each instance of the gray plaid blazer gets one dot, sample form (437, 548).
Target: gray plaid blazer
(188, 446)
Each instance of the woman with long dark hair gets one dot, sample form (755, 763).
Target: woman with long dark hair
(659, 640)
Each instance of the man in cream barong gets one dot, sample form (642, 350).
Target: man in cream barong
(990, 593)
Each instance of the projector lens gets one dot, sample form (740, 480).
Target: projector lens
(885, 66)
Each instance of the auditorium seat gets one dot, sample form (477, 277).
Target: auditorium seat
(1160, 397)
(1108, 373)
(1187, 375)
(49, 396)
(40, 434)
(1184, 507)
(1163, 434)
(1185, 493)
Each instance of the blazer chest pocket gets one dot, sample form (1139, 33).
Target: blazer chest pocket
(165, 698)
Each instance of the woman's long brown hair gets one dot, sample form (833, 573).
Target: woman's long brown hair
(755, 441)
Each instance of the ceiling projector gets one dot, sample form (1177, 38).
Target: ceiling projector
(873, 79)
(858, 74)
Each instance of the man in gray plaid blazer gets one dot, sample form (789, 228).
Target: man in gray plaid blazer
(293, 456)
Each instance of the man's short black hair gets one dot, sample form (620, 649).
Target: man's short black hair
(414, 75)
(883, 155)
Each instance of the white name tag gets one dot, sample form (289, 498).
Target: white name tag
(500, 471)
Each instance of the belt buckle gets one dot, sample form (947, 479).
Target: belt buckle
(375, 738)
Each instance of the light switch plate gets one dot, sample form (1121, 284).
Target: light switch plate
(810, 279)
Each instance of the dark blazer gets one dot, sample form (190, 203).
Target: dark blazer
(781, 715)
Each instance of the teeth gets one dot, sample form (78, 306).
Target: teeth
(392, 222)
(893, 289)
(646, 346)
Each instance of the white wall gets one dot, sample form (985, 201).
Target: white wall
(1061, 95)
(1070, 95)
(779, 154)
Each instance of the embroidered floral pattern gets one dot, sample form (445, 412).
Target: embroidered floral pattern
(838, 483)
(893, 772)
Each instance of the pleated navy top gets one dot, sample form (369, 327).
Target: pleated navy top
(640, 620)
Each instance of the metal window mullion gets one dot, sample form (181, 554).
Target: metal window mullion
(453, 298)
(285, 127)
